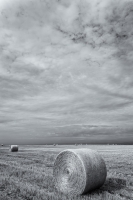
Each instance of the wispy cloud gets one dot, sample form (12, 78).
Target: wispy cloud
(65, 63)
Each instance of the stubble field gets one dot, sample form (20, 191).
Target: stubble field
(28, 173)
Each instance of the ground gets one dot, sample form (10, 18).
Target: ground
(28, 173)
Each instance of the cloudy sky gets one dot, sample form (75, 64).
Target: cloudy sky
(66, 71)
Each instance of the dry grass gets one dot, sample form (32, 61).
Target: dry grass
(28, 174)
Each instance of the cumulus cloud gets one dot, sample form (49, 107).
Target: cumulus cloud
(63, 63)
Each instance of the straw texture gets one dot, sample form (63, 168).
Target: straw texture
(14, 148)
(78, 171)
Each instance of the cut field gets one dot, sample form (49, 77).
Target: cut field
(28, 173)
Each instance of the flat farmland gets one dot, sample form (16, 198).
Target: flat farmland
(28, 173)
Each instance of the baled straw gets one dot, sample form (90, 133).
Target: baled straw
(14, 148)
(78, 171)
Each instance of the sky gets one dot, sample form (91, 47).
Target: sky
(66, 71)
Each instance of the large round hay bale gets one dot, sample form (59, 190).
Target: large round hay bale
(14, 148)
(78, 171)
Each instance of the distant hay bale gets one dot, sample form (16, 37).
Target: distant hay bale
(78, 171)
(2, 145)
(14, 148)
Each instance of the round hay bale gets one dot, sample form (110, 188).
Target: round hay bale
(78, 171)
(14, 148)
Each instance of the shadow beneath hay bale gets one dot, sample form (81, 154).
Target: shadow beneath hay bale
(111, 185)
(114, 184)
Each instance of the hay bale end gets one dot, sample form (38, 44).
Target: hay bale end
(14, 148)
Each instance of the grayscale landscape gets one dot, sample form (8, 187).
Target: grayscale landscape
(66, 82)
